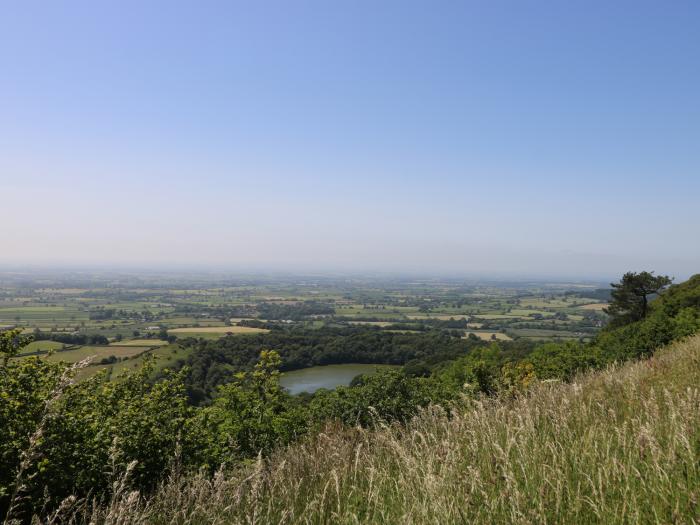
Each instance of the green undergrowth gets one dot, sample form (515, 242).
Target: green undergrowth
(620, 445)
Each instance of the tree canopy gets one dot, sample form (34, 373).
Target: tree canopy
(630, 297)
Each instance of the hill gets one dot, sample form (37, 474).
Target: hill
(492, 432)
(615, 446)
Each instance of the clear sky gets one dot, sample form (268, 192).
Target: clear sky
(514, 138)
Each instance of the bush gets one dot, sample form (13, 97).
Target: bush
(562, 360)
(59, 438)
(387, 395)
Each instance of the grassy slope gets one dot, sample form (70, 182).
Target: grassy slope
(619, 446)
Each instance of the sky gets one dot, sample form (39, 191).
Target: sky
(528, 138)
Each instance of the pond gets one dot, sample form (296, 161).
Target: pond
(328, 376)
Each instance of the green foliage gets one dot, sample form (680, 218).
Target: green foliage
(75, 439)
(562, 360)
(485, 371)
(11, 342)
(476, 372)
(517, 377)
(619, 447)
(251, 415)
(25, 388)
(679, 296)
(388, 395)
(686, 323)
(629, 297)
(673, 315)
(59, 438)
(71, 339)
(213, 363)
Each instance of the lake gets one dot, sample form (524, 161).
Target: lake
(327, 376)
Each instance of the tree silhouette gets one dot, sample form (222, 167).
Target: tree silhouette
(630, 297)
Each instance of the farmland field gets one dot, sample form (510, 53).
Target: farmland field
(542, 334)
(74, 355)
(218, 330)
(140, 342)
(132, 359)
(499, 316)
(594, 306)
(42, 346)
(440, 317)
(488, 336)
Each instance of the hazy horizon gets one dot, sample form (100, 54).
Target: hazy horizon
(286, 273)
(492, 139)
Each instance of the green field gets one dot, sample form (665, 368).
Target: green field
(42, 346)
(98, 352)
(542, 334)
(500, 316)
(488, 336)
(165, 356)
(594, 306)
(216, 331)
(440, 317)
(140, 342)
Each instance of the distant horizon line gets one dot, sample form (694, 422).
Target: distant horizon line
(261, 271)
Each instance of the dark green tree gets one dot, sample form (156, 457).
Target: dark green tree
(630, 297)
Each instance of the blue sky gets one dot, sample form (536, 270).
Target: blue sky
(513, 138)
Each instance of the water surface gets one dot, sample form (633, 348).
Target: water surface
(328, 376)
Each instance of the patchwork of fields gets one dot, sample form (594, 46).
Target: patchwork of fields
(121, 323)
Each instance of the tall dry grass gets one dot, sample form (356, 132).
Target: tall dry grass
(619, 446)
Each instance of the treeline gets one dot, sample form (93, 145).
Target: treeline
(508, 368)
(212, 363)
(219, 311)
(70, 338)
(106, 314)
(297, 311)
(673, 315)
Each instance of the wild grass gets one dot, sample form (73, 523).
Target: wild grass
(618, 446)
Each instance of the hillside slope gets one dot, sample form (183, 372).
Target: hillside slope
(618, 446)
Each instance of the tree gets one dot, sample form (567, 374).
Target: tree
(387, 395)
(251, 414)
(11, 342)
(630, 297)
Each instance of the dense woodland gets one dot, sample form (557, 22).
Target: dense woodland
(216, 362)
(224, 406)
